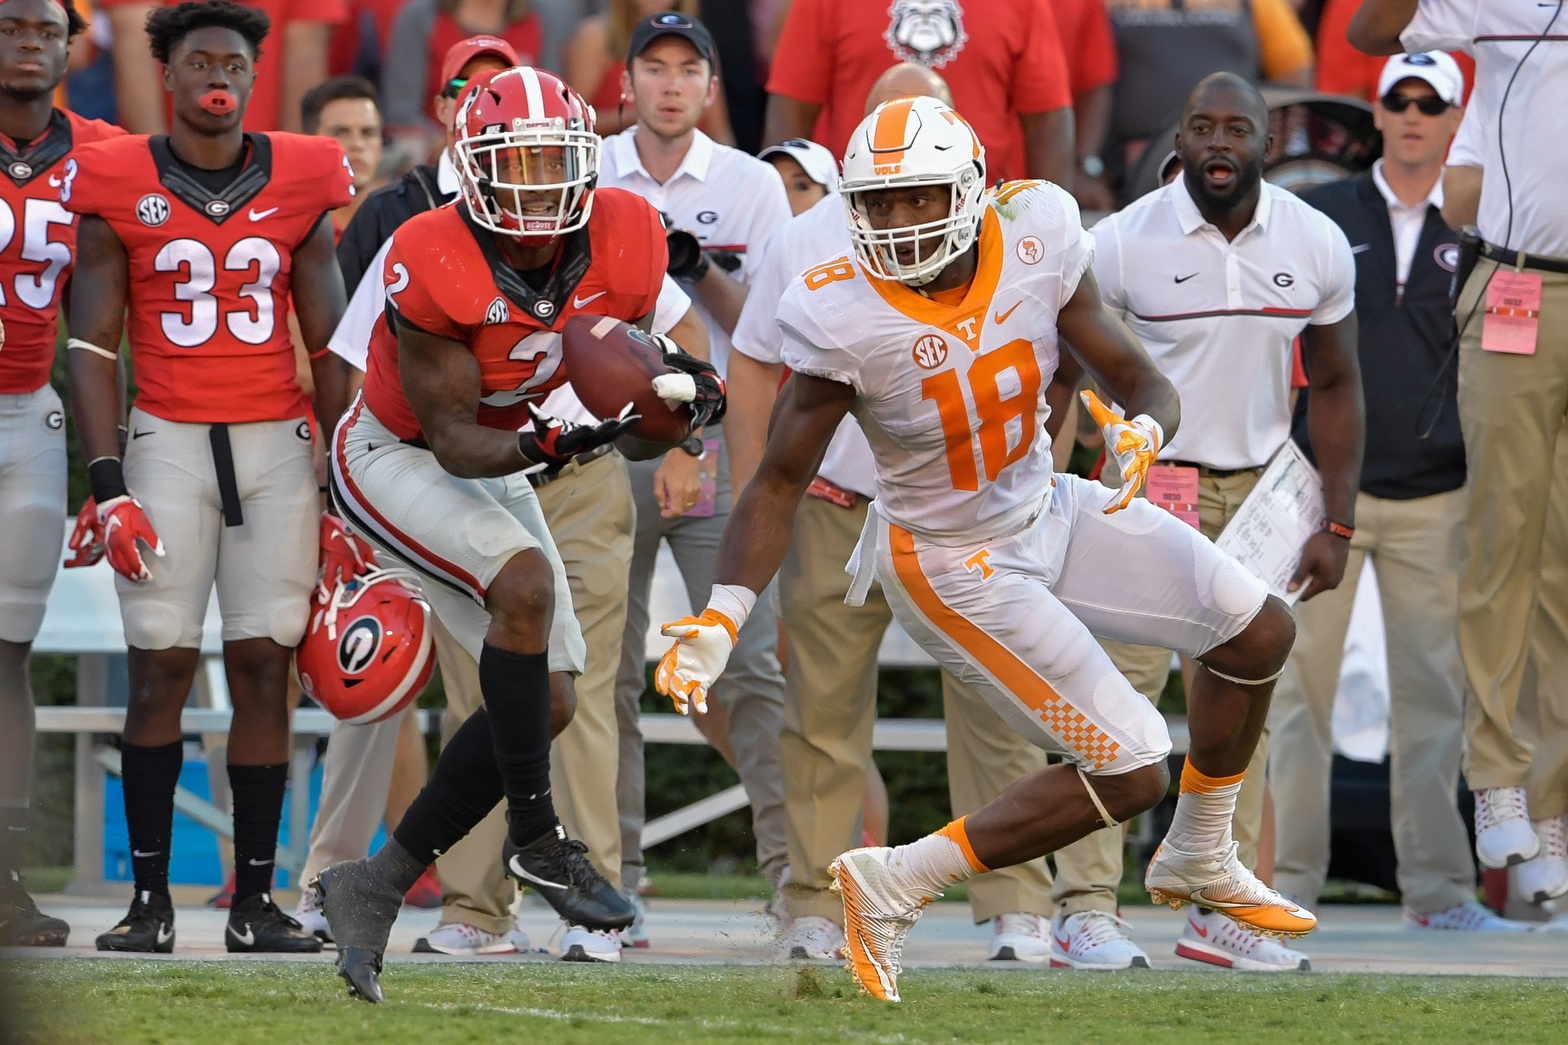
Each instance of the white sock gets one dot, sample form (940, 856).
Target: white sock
(929, 866)
(1202, 820)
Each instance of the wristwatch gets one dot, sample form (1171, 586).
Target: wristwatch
(1093, 166)
(692, 445)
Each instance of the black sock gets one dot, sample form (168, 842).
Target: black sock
(516, 688)
(149, 776)
(13, 837)
(462, 790)
(258, 804)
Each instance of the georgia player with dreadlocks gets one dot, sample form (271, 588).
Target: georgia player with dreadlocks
(205, 235)
(429, 464)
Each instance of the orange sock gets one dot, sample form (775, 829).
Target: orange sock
(1204, 810)
(959, 834)
(1193, 780)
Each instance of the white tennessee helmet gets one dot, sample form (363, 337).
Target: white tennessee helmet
(905, 143)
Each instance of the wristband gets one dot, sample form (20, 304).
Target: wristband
(107, 477)
(1339, 529)
(734, 601)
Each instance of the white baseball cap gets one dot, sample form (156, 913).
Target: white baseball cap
(1435, 67)
(814, 159)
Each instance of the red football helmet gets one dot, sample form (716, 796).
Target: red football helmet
(367, 651)
(526, 154)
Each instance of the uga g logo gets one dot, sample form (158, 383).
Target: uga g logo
(359, 644)
(930, 32)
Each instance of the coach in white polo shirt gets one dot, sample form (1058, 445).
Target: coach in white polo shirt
(1217, 273)
(725, 204)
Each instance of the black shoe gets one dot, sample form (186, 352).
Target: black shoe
(147, 928)
(258, 926)
(22, 924)
(557, 868)
(360, 910)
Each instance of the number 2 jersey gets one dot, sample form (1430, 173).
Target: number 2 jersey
(952, 396)
(210, 269)
(37, 244)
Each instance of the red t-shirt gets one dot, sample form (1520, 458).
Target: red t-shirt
(447, 277)
(366, 23)
(37, 254)
(210, 273)
(262, 112)
(1000, 58)
(1344, 70)
(1089, 43)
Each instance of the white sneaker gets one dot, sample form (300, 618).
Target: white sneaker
(590, 945)
(1503, 834)
(1218, 881)
(1545, 876)
(1020, 937)
(308, 913)
(1093, 940)
(878, 914)
(461, 939)
(635, 934)
(1469, 916)
(1210, 936)
(809, 938)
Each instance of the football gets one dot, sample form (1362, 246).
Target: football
(610, 364)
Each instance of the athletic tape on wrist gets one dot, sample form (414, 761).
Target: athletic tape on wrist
(734, 601)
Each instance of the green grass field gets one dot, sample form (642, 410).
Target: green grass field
(126, 1002)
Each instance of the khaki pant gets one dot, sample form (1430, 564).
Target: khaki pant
(1546, 715)
(1511, 408)
(1416, 547)
(589, 511)
(1089, 870)
(829, 711)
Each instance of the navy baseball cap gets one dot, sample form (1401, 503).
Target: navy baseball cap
(672, 23)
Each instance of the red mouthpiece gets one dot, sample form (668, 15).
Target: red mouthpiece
(219, 103)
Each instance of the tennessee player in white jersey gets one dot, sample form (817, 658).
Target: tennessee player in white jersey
(940, 333)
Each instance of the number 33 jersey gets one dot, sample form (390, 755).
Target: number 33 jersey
(210, 270)
(951, 394)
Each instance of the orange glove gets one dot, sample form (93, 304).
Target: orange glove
(125, 523)
(1135, 444)
(87, 539)
(689, 667)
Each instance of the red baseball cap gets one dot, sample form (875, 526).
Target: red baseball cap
(465, 51)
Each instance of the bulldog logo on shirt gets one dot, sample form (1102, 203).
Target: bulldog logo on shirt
(930, 32)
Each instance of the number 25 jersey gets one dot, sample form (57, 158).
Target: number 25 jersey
(952, 396)
(210, 271)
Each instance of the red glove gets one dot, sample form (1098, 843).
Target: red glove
(87, 539)
(125, 523)
(343, 555)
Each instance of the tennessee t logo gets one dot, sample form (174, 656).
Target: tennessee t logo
(967, 327)
(976, 563)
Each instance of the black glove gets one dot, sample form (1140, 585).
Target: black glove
(688, 261)
(707, 402)
(554, 442)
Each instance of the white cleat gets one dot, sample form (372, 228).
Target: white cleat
(1469, 917)
(1214, 938)
(1503, 834)
(810, 939)
(463, 940)
(1095, 940)
(1219, 882)
(590, 945)
(1020, 937)
(308, 913)
(878, 915)
(1545, 876)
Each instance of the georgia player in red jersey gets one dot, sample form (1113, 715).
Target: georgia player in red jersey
(429, 464)
(37, 246)
(204, 235)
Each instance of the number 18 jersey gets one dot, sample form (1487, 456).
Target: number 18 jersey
(952, 396)
(210, 271)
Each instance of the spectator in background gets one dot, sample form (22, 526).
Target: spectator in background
(596, 67)
(294, 61)
(347, 109)
(1167, 46)
(1411, 522)
(361, 42)
(426, 30)
(1342, 69)
(809, 171)
(1003, 60)
(1089, 43)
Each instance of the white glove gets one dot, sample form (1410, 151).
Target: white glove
(1135, 444)
(689, 667)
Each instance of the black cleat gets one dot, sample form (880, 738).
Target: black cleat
(258, 926)
(557, 868)
(360, 910)
(147, 928)
(22, 924)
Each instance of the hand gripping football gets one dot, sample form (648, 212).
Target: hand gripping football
(610, 364)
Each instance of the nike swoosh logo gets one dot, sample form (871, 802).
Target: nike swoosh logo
(247, 937)
(260, 863)
(257, 215)
(166, 933)
(141, 855)
(578, 302)
(1001, 317)
(1200, 930)
(1183, 279)
(1360, 248)
(1061, 943)
(138, 435)
(521, 872)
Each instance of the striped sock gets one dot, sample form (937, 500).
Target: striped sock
(1205, 807)
(933, 863)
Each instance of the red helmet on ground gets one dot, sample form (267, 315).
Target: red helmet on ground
(526, 154)
(367, 651)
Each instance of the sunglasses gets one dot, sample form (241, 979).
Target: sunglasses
(455, 88)
(1428, 105)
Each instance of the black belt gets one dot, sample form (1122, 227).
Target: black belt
(1504, 256)
(545, 478)
(1211, 473)
(228, 483)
